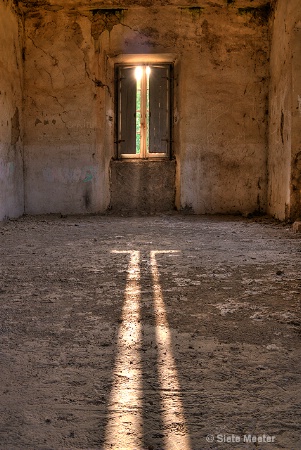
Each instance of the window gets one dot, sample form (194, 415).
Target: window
(144, 110)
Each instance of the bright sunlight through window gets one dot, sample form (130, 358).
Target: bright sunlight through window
(144, 109)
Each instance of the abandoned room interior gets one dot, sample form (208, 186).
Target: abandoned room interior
(150, 174)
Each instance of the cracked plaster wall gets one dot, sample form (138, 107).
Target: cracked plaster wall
(66, 155)
(11, 146)
(284, 194)
(220, 120)
(222, 141)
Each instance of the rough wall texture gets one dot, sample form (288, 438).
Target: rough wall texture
(220, 120)
(65, 149)
(284, 165)
(143, 187)
(222, 111)
(295, 208)
(11, 158)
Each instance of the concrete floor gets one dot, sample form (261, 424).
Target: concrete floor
(163, 332)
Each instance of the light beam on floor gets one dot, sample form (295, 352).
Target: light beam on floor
(125, 404)
(176, 435)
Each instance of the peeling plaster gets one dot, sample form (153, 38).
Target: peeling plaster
(105, 20)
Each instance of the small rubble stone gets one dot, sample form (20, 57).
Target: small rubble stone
(297, 226)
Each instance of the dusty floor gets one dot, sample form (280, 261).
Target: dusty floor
(149, 333)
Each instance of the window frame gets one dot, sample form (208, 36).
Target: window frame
(157, 63)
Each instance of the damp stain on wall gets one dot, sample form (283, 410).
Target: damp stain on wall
(87, 198)
(7, 169)
(194, 11)
(15, 127)
(105, 20)
(88, 177)
(296, 186)
(260, 14)
(282, 127)
(68, 175)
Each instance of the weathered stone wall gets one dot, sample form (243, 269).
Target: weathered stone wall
(220, 122)
(142, 187)
(284, 200)
(11, 165)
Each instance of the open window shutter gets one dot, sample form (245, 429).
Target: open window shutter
(127, 111)
(159, 127)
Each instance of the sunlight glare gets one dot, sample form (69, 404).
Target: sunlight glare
(138, 73)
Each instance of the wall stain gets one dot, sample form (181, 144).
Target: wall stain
(68, 175)
(88, 177)
(150, 32)
(260, 14)
(105, 20)
(99, 83)
(195, 11)
(212, 41)
(282, 127)
(76, 34)
(7, 170)
(295, 212)
(15, 127)
(87, 199)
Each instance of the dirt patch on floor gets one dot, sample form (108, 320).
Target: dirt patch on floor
(149, 333)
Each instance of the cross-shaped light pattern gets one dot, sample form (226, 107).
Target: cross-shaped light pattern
(125, 407)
